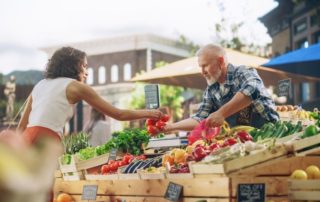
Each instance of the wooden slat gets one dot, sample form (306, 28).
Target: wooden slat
(250, 160)
(206, 168)
(304, 184)
(304, 195)
(77, 198)
(196, 187)
(282, 166)
(311, 152)
(93, 162)
(306, 142)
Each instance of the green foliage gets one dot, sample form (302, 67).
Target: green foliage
(192, 47)
(128, 141)
(170, 96)
(17, 107)
(75, 142)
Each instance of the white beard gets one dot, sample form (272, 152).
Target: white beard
(214, 79)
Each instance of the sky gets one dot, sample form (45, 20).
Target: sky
(27, 25)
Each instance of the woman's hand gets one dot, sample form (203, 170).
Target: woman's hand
(154, 114)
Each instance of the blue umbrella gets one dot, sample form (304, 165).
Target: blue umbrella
(305, 61)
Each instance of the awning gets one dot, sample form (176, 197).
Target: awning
(305, 61)
(186, 72)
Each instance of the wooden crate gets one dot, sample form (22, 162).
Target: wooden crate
(254, 159)
(304, 189)
(206, 168)
(76, 170)
(206, 186)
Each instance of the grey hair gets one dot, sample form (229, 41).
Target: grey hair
(213, 50)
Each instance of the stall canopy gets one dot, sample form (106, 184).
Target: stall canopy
(305, 61)
(186, 72)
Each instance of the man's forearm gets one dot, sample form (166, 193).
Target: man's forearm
(184, 125)
(238, 102)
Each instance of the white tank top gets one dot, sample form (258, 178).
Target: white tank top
(50, 106)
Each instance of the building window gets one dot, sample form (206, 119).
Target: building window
(305, 92)
(102, 75)
(114, 73)
(315, 19)
(316, 37)
(302, 44)
(90, 76)
(300, 27)
(127, 71)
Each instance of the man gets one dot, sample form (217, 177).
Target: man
(230, 91)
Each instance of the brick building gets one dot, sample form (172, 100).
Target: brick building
(113, 62)
(292, 25)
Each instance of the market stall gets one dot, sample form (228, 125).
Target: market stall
(225, 164)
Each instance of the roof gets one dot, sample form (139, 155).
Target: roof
(126, 43)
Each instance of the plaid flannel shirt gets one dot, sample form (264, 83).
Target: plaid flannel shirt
(239, 79)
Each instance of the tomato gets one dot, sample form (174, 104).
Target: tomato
(114, 166)
(126, 158)
(122, 163)
(141, 157)
(229, 142)
(165, 118)
(111, 162)
(160, 124)
(152, 130)
(214, 147)
(151, 122)
(105, 169)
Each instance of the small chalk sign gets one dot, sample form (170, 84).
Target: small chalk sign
(284, 87)
(251, 193)
(173, 192)
(113, 154)
(152, 96)
(89, 192)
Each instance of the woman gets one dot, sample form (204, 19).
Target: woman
(51, 103)
(98, 129)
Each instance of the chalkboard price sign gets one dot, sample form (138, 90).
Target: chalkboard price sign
(89, 192)
(284, 87)
(173, 192)
(251, 193)
(152, 96)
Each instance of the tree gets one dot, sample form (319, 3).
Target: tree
(170, 96)
(191, 46)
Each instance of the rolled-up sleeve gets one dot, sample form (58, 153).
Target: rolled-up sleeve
(250, 83)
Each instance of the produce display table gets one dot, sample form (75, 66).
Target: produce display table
(206, 187)
(208, 181)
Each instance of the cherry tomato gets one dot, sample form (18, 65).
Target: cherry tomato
(165, 118)
(105, 169)
(151, 122)
(114, 166)
(160, 124)
(152, 130)
(111, 162)
(126, 158)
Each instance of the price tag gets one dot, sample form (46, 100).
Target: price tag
(89, 192)
(152, 96)
(113, 154)
(173, 192)
(284, 87)
(251, 193)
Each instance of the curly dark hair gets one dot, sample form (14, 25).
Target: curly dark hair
(65, 62)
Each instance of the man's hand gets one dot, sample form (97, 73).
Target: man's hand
(215, 119)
